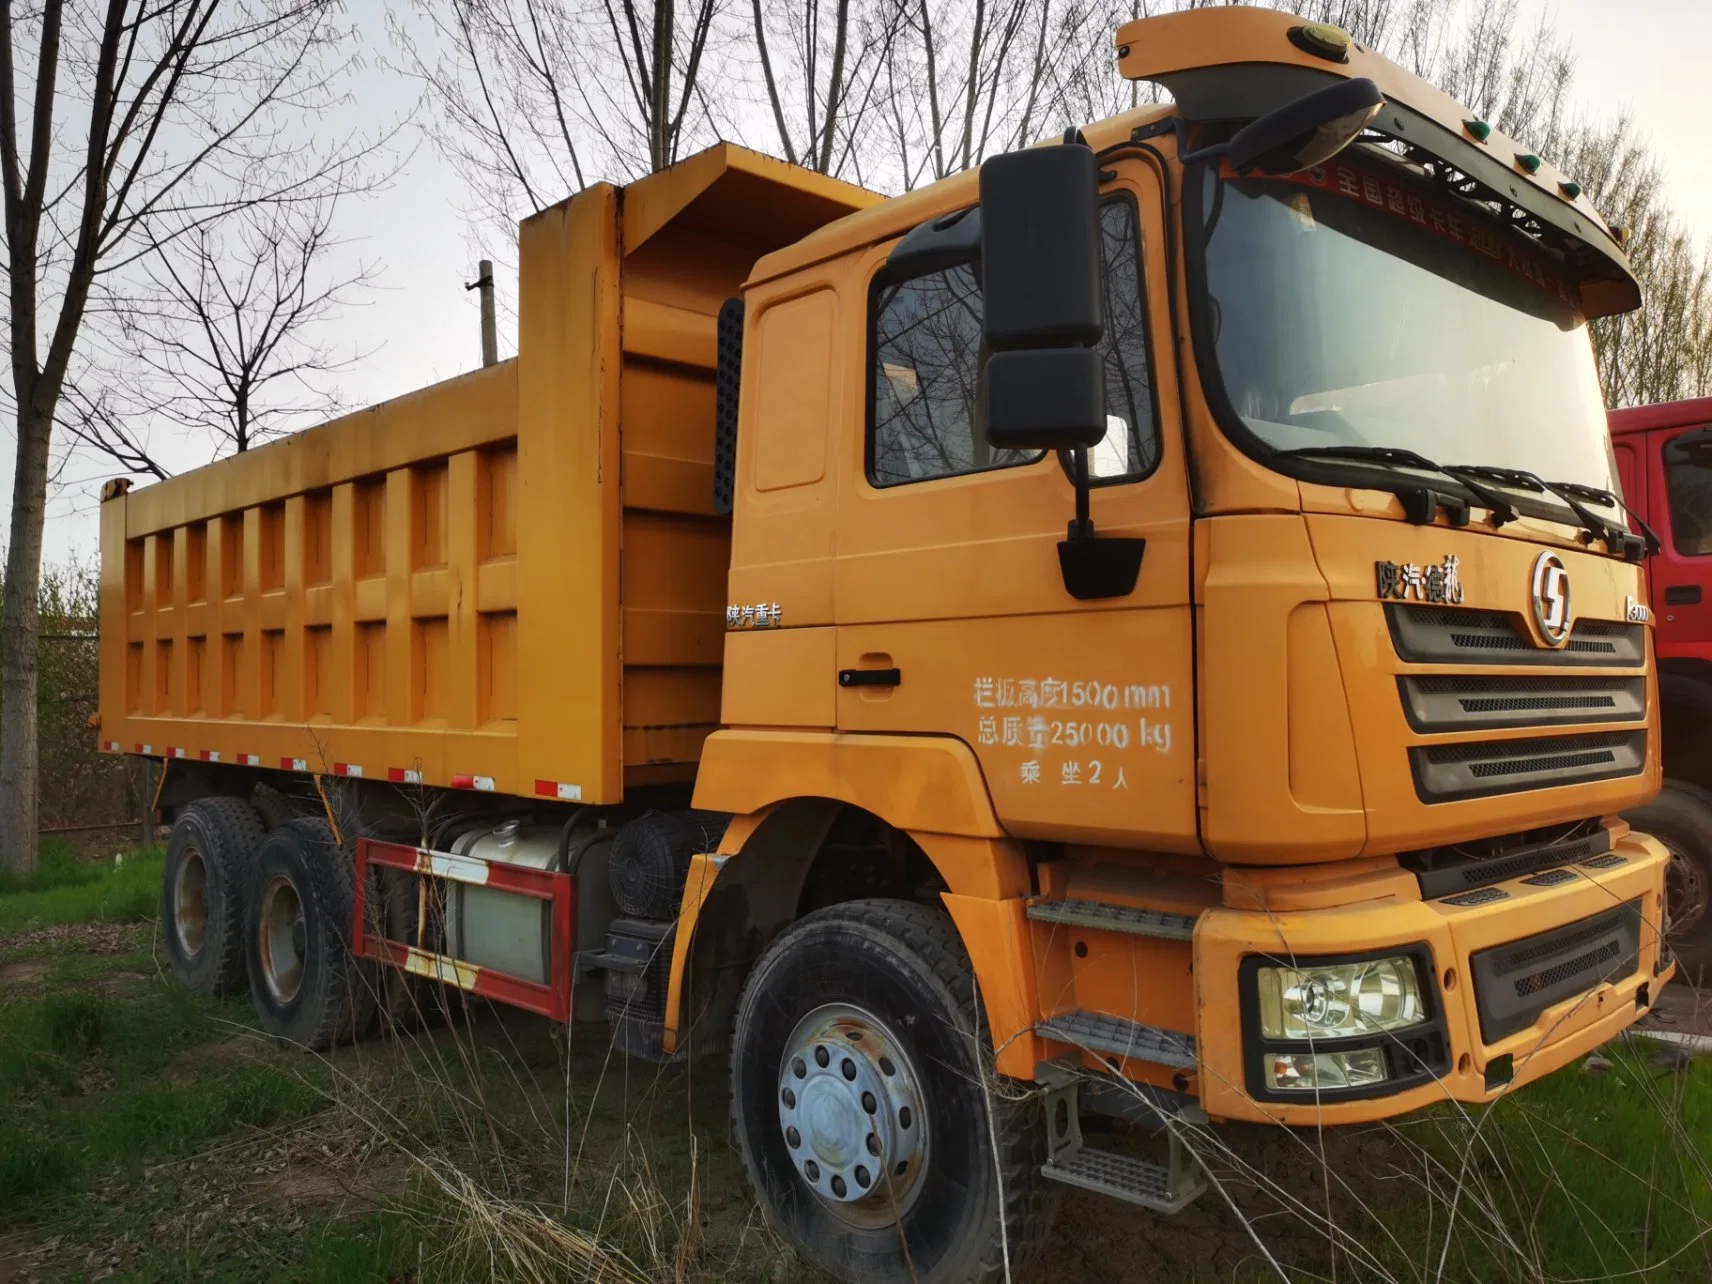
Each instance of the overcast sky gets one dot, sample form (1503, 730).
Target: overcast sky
(1646, 57)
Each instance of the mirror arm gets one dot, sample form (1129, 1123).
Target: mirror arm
(1083, 526)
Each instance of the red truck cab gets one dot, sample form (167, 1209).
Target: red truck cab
(1664, 458)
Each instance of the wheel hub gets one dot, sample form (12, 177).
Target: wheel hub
(1686, 891)
(283, 940)
(850, 1108)
(190, 903)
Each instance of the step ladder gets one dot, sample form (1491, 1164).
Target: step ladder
(1165, 1188)
(1118, 1037)
(1104, 917)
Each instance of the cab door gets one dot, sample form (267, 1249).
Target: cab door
(951, 613)
(1680, 485)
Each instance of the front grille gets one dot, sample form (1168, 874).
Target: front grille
(1456, 635)
(1465, 866)
(1471, 702)
(1514, 983)
(1479, 769)
(1485, 896)
(1551, 878)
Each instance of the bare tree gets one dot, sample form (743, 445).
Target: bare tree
(225, 339)
(821, 69)
(532, 100)
(129, 124)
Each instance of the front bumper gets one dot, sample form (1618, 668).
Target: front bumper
(1451, 934)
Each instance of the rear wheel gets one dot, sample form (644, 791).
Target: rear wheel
(1681, 818)
(857, 1067)
(306, 984)
(202, 892)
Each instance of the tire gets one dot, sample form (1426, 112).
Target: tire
(208, 856)
(306, 985)
(393, 913)
(1681, 818)
(890, 981)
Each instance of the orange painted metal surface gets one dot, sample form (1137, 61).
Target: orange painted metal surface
(512, 581)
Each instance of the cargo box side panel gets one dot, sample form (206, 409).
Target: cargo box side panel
(335, 622)
(567, 640)
(677, 551)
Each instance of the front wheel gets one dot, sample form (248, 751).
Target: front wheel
(1681, 818)
(857, 1071)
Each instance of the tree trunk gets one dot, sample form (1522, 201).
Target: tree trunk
(18, 629)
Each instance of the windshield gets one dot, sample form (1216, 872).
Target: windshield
(1353, 305)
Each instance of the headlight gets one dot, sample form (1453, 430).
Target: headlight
(1339, 1000)
(1320, 1071)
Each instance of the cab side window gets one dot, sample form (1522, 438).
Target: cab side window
(1688, 482)
(926, 418)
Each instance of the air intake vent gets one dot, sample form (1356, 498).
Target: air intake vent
(1514, 983)
(1447, 635)
(1459, 702)
(1478, 769)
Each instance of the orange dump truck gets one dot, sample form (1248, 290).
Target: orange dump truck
(1150, 620)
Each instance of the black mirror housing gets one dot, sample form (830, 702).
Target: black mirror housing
(1308, 131)
(1040, 248)
(1043, 309)
(1045, 399)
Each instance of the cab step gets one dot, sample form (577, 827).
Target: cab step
(1165, 1188)
(1101, 916)
(1099, 1032)
(1135, 1181)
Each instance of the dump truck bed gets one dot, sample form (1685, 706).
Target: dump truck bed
(513, 580)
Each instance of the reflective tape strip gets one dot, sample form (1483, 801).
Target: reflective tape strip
(484, 783)
(146, 749)
(209, 755)
(250, 759)
(347, 769)
(558, 789)
(403, 776)
(460, 869)
(439, 968)
(113, 747)
(294, 764)
(177, 752)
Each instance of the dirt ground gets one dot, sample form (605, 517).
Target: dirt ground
(256, 1192)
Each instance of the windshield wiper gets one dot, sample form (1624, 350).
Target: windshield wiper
(1420, 503)
(1615, 538)
(1612, 499)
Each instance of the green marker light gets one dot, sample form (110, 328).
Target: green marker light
(1478, 130)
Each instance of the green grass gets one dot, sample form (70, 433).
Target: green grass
(65, 890)
(83, 1072)
(1584, 1176)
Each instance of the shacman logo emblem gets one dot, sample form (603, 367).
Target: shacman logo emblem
(1551, 599)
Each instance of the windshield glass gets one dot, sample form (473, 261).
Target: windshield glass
(1353, 305)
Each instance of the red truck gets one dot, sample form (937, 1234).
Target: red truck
(1664, 458)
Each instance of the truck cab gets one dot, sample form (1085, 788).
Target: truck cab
(1664, 456)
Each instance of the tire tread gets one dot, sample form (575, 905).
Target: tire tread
(930, 939)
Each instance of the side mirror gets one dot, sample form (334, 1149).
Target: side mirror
(1042, 305)
(1043, 315)
(1307, 132)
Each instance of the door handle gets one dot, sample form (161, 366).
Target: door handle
(1682, 595)
(870, 677)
